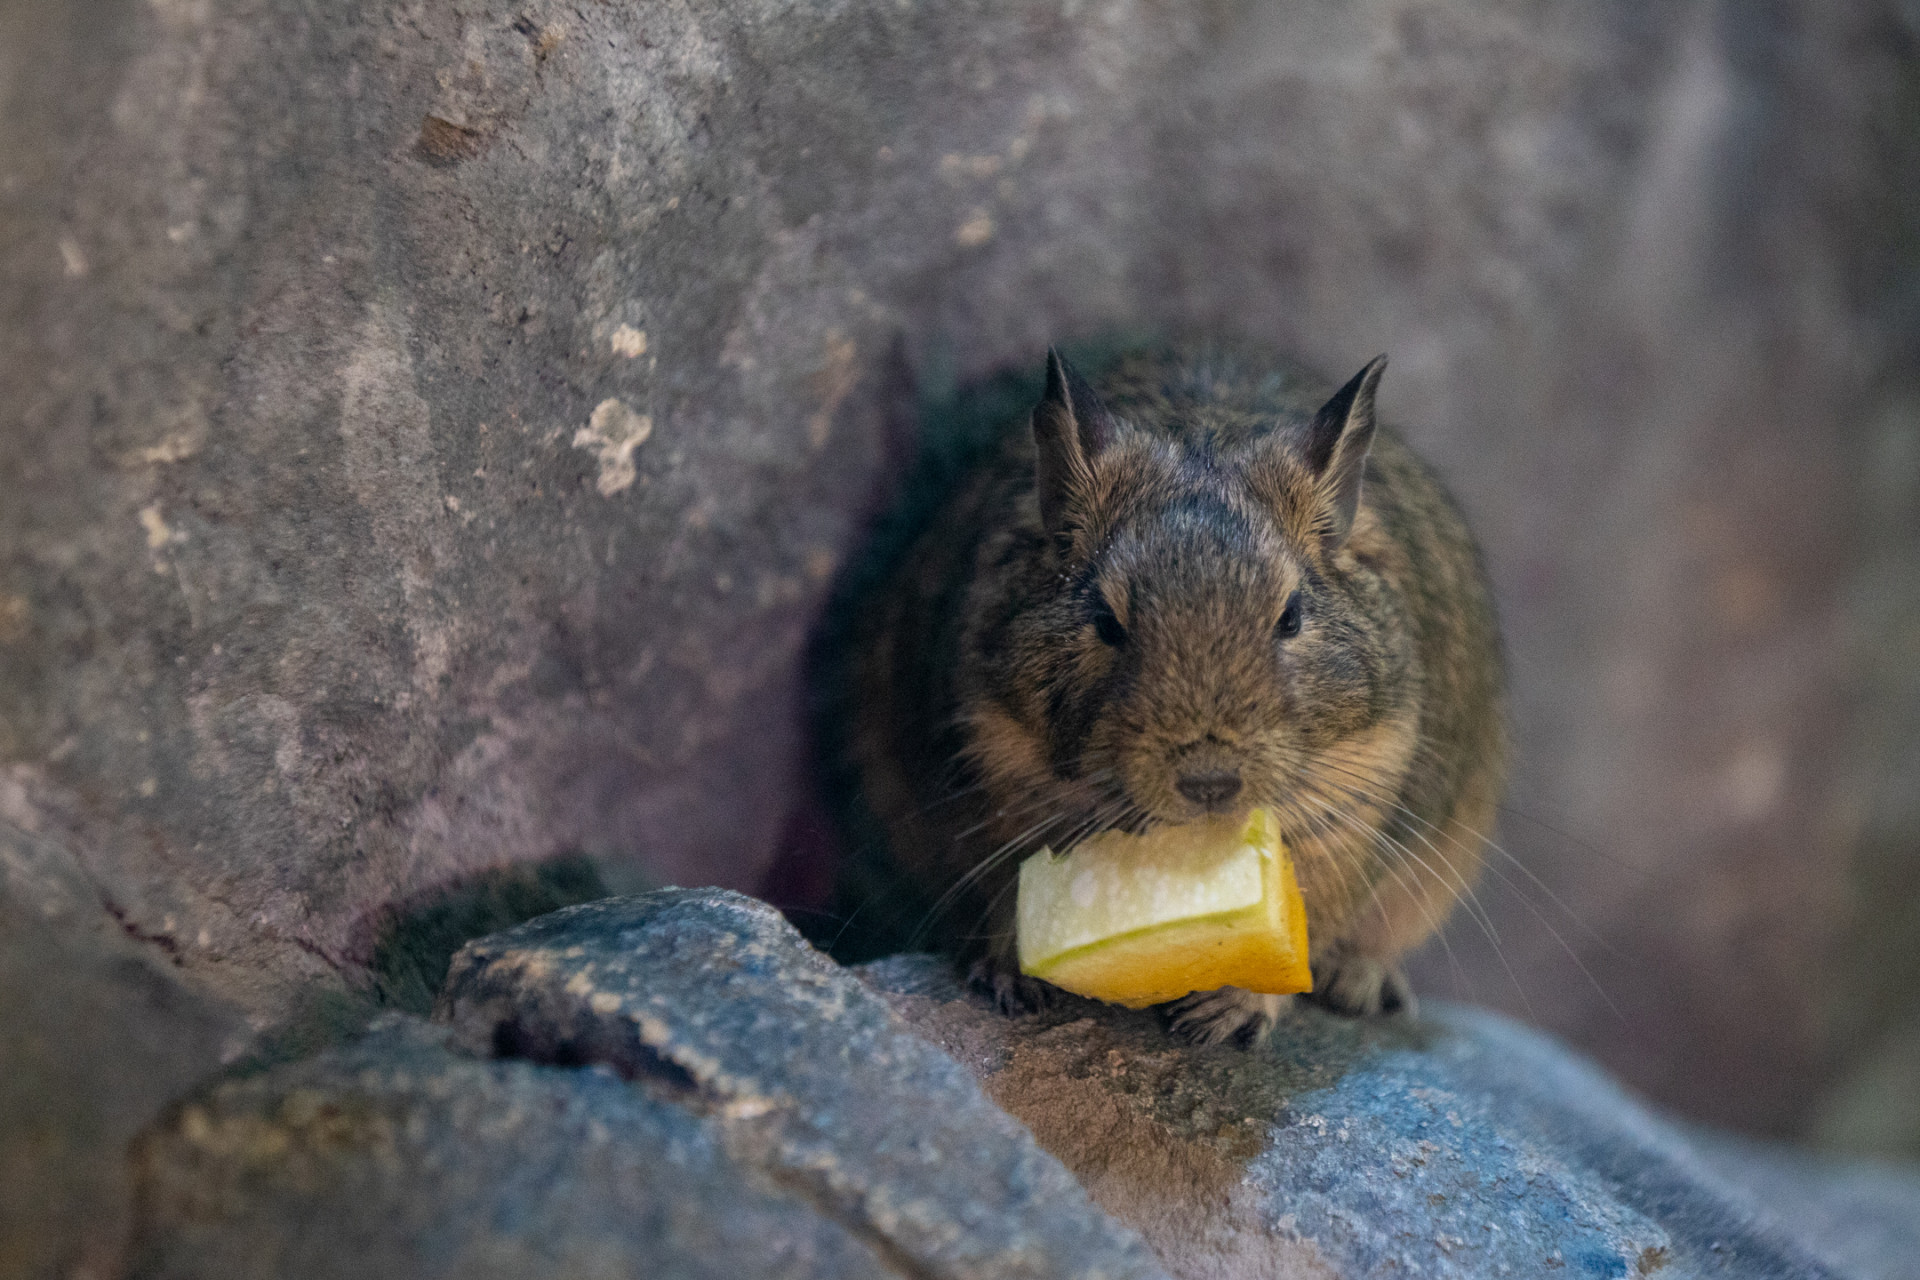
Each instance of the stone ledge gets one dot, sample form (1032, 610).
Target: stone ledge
(676, 1083)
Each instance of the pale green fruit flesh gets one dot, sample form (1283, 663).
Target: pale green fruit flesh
(1137, 920)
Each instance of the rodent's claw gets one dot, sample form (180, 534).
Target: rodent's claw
(1363, 987)
(1013, 993)
(1229, 1015)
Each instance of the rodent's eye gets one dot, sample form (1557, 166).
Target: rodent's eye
(1108, 627)
(1289, 624)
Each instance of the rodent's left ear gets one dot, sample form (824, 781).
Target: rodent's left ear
(1337, 445)
(1070, 429)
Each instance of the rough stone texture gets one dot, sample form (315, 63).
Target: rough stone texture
(97, 1033)
(800, 1070)
(353, 540)
(676, 1084)
(1464, 1146)
(401, 1157)
(1862, 1215)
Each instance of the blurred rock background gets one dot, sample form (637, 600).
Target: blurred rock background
(428, 435)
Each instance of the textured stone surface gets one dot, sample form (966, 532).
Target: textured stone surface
(802, 1070)
(1463, 1146)
(330, 338)
(676, 1084)
(401, 1157)
(97, 1033)
(1861, 1215)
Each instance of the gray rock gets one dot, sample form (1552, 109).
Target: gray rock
(1460, 1146)
(676, 1084)
(335, 568)
(669, 1085)
(1861, 1215)
(803, 1072)
(402, 1157)
(97, 1034)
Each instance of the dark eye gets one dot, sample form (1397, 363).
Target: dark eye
(1108, 627)
(1289, 625)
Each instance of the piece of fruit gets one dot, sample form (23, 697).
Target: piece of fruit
(1136, 920)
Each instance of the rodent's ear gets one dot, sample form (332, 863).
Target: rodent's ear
(1337, 445)
(1070, 429)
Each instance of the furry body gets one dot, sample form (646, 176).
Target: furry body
(1207, 582)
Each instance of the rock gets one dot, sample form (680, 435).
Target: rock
(1862, 1216)
(1460, 1146)
(99, 1034)
(678, 1086)
(400, 1157)
(714, 997)
(432, 431)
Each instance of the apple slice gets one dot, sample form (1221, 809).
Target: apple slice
(1136, 920)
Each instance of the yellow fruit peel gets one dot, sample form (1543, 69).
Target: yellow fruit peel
(1136, 920)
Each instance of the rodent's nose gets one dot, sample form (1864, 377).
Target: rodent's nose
(1211, 787)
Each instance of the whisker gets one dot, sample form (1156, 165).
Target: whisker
(1525, 870)
(1463, 891)
(1074, 835)
(979, 869)
(1526, 901)
(1410, 888)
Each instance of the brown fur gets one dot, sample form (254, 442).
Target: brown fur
(1188, 497)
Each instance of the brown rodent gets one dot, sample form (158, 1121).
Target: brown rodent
(1207, 584)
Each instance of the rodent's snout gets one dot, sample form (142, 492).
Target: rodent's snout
(1207, 774)
(1211, 789)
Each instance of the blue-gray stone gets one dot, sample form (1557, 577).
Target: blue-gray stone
(1461, 1146)
(1861, 1216)
(714, 999)
(677, 1085)
(401, 1157)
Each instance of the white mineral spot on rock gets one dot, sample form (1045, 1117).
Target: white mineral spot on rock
(957, 166)
(177, 446)
(613, 433)
(629, 342)
(976, 230)
(159, 534)
(838, 375)
(71, 256)
(148, 786)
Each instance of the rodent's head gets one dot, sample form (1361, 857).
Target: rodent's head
(1213, 636)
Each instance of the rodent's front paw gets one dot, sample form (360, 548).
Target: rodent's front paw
(1362, 986)
(1013, 993)
(1227, 1015)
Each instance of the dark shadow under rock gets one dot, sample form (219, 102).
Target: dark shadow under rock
(419, 937)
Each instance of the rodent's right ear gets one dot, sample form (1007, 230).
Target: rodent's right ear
(1070, 429)
(1337, 445)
